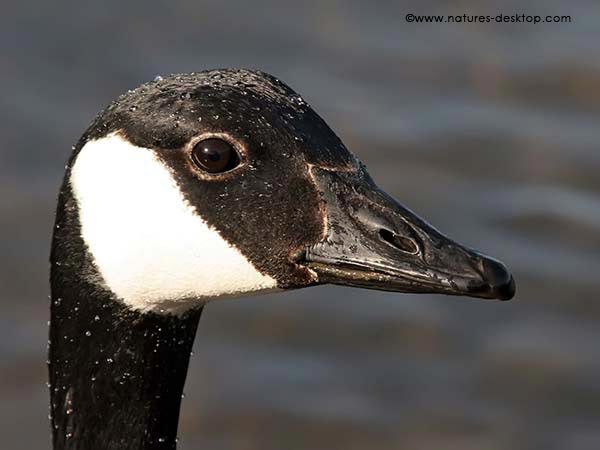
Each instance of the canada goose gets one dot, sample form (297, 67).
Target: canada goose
(204, 186)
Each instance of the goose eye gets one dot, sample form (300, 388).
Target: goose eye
(215, 156)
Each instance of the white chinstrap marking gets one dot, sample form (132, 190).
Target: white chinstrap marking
(151, 248)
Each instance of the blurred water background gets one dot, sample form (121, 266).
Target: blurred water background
(491, 131)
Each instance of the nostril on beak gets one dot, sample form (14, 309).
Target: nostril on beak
(498, 278)
(402, 243)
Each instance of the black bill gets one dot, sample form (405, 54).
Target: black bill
(374, 242)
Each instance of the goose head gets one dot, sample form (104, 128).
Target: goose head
(227, 183)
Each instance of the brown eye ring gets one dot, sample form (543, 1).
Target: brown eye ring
(214, 155)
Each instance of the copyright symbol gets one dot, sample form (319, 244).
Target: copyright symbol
(410, 17)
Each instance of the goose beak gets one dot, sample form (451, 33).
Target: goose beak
(372, 241)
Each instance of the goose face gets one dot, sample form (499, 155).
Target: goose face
(225, 183)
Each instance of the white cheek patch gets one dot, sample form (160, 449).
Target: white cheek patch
(150, 246)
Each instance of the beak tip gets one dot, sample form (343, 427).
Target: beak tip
(500, 281)
(505, 291)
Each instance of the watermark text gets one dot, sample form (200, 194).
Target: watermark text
(499, 18)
